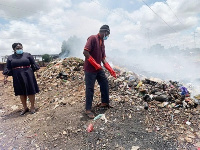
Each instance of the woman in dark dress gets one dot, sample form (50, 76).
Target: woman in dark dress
(21, 67)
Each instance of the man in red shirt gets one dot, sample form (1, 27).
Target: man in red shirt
(94, 52)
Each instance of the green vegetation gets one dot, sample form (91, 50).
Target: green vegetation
(46, 58)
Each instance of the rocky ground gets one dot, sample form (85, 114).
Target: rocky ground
(169, 120)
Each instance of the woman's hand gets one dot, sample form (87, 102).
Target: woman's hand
(5, 79)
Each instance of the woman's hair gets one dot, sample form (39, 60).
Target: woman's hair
(15, 44)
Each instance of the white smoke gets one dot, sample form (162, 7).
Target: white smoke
(167, 64)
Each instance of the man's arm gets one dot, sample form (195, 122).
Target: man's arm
(86, 54)
(104, 61)
(91, 60)
(107, 66)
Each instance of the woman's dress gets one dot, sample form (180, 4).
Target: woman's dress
(21, 68)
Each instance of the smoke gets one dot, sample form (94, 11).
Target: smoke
(167, 64)
(73, 47)
(158, 62)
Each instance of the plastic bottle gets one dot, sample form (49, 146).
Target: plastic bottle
(90, 128)
(99, 116)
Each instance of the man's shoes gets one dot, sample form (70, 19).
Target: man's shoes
(24, 111)
(90, 115)
(103, 106)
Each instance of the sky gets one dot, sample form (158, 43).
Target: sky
(42, 25)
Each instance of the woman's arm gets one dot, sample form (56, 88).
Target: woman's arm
(8, 69)
(34, 65)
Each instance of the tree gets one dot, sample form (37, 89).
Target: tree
(46, 58)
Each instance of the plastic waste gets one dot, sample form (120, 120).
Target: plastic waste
(62, 75)
(196, 101)
(147, 98)
(98, 116)
(131, 78)
(161, 98)
(165, 103)
(185, 104)
(139, 84)
(184, 90)
(197, 97)
(188, 123)
(90, 128)
(177, 106)
(103, 117)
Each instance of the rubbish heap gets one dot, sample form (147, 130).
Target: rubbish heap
(170, 94)
(169, 106)
(63, 76)
(127, 87)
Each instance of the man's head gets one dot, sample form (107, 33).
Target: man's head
(104, 31)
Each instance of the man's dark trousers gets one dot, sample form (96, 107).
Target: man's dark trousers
(102, 80)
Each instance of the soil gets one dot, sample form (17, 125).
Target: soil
(60, 123)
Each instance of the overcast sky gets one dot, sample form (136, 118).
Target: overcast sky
(42, 25)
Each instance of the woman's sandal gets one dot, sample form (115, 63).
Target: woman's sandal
(33, 111)
(24, 111)
(90, 115)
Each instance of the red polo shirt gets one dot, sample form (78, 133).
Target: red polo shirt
(95, 46)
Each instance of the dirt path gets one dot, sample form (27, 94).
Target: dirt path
(64, 127)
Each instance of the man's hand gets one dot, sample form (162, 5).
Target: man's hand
(5, 79)
(112, 72)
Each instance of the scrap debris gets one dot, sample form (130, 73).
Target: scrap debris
(168, 106)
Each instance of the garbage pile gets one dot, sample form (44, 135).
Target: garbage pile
(169, 107)
(172, 111)
(127, 87)
(60, 72)
(61, 83)
(170, 94)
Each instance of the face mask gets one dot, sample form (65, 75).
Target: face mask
(19, 51)
(105, 37)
